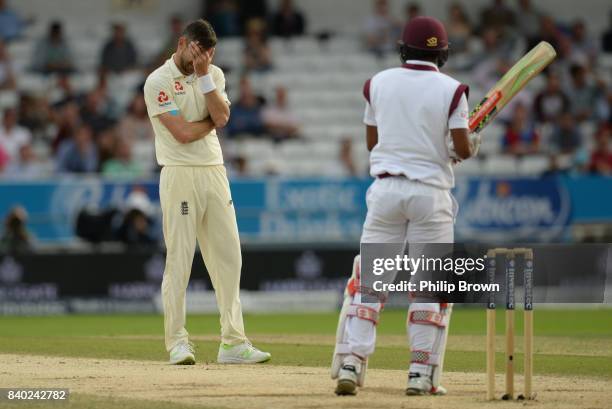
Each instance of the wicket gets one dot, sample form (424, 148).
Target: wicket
(510, 271)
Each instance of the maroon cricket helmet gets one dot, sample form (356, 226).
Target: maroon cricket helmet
(425, 33)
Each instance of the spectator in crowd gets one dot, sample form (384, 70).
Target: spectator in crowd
(4, 159)
(136, 230)
(287, 21)
(27, 166)
(106, 142)
(412, 10)
(345, 157)
(257, 55)
(246, 113)
(135, 128)
(11, 24)
(7, 78)
(606, 38)
(78, 154)
(12, 136)
(529, 19)
(176, 30)
(601, 157)
(35, 113)
(584, 48)
(122, 164)
(97, 109)
(603, 110)
(547, 31)
(344, 164)
(63, 91)
(521, 137)
(15, 237)
(119, 53)
(137, 227)
(498, 15)
(135, 124)
(382, 29)
(492, 52)
(458, 27)
(566, 136)
(52, 54)
(551, 102)
(66, 119)
(280, 122)
(224, 17)
(582, 94)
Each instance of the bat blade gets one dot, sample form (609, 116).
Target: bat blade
(510, 84)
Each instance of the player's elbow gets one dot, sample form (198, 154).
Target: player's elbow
(221, 120)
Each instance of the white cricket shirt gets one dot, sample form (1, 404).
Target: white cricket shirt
(414, 107)
(167, 89)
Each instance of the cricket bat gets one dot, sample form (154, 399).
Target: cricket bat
(510, 84)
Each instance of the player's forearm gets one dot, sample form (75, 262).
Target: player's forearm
(195, 131)
(218, 108)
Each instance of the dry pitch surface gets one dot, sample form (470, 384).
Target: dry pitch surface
(269, 387)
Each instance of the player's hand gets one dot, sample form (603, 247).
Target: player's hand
(475, 140)
(201, 58)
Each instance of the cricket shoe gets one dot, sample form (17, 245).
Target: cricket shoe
(421, 385)
(182, 354)
(244, 353)
(348, 376)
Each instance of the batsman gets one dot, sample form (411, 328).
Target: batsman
(186, 102)
(416, 122)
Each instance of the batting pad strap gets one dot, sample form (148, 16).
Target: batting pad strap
(428, 318)
(425, 358)
(363, 312)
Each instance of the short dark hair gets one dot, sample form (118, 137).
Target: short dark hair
(202, 32)
(437, 57)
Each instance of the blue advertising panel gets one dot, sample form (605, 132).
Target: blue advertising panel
(324, 210)
(512, 209)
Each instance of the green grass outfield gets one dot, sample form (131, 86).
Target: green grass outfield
(568, 342)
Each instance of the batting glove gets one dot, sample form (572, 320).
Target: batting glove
(474, 140)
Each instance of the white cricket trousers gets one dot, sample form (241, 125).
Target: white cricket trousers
(196, 203)
(403, 211)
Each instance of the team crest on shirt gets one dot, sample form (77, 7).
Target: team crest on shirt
(178, 88)
(163, 99)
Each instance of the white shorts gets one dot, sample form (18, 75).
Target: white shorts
(402, 210)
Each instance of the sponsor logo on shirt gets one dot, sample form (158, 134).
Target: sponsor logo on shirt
(163, 99)
(178, 88)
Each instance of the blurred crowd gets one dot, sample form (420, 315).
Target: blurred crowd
(574, 100)
(64, 131)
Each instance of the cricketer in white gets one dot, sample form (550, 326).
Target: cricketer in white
(186, 102)
(416, 126)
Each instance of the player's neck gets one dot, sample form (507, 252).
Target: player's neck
(178, 66)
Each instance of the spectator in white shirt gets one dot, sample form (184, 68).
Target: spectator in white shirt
(278, 118)
(12, 136)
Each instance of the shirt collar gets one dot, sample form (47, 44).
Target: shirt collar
(424, 64)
